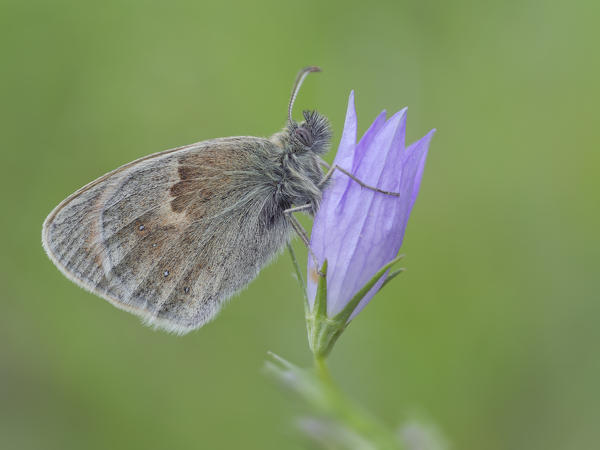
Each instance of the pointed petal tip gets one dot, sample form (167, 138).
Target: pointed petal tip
(425, 139)
(351, 110)
(345, 151)
(428, 136)
(393, 124)
(400, 116)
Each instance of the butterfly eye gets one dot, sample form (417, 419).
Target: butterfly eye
(304, 136)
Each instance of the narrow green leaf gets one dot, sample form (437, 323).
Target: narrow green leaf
(345, 314)
(278, 360)
(391, 276)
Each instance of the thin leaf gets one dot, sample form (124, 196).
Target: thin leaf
(391, 276)
(345, 314)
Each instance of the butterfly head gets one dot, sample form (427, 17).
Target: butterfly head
(313, 134)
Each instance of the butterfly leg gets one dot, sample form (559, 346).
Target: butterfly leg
(333, 168)
(299, 276)
(298, 208)
(300, 231)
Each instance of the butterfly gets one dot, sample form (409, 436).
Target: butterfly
(173, 235)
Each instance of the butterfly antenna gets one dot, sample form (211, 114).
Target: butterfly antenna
(299, 80)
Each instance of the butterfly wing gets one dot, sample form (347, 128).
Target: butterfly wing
(170, 236)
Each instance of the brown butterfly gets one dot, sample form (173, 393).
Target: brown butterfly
(172, 235)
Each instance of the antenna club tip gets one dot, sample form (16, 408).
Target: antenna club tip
(312, 69)
(299, 80)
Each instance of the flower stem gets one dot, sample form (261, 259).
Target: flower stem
(352, 415)
(323, 370)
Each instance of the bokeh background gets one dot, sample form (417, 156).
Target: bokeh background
(492, 334)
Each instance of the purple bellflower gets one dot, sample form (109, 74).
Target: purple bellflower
(358, 232)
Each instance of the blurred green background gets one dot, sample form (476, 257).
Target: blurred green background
(492, 333)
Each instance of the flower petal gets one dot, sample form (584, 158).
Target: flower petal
(345, 153)
(357, 229)
(365, 221)
(413, 165)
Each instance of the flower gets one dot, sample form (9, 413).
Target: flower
(358, 231)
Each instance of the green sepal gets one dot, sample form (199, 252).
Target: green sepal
(391, 276)
(345, 313)
(320, 307)
(323, 331)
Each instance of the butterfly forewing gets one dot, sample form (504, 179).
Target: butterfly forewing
(171, 236)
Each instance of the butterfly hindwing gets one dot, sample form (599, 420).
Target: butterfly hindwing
(171, 236)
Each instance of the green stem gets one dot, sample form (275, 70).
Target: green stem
(352, 415)
(323, 371)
